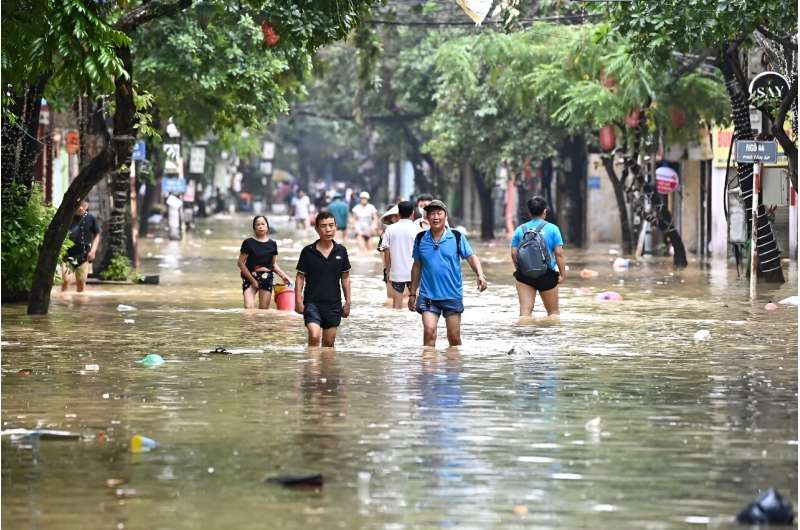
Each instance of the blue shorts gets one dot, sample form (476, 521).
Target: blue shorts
(449, 307)
(324, 315)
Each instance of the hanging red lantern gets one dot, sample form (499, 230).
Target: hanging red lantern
(271, 36)
(632, 119)
(608, 140)
(676, 116)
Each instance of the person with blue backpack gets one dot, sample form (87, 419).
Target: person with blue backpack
(538, 254)
(437, 255)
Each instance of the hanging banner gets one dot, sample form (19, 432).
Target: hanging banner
(197, 160)
(172, 154)
(476, 9)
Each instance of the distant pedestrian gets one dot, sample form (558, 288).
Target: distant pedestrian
(437, 272)
(398, 246)
(423, 199)
(365, 216)
(301, 209)
(341, 215)
(84, 232)
(538, 254)
(258, 261)
(391, 216)
(323, 272)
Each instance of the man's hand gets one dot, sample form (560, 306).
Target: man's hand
(482, 285)
(560, 278)
(299, 307)
(90, 257)
(412, 302)
(346, 309)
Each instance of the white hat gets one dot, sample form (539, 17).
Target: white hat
(394, 210)
(364, 195)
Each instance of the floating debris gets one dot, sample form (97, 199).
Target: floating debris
(297, 481)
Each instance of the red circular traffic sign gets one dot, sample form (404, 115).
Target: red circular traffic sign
(666, 180)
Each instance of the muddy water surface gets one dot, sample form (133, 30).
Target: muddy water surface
(687, 432)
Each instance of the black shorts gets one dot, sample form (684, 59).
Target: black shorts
(324, 315)
(400, 287)
(545, 282)
(265, 280)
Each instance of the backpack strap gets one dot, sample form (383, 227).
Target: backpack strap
(457, 235)
(418, 239)
(539, 228)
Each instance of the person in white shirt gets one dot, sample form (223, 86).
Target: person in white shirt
(301, 205)
(423, 199)
(398, 245)
(366, 217)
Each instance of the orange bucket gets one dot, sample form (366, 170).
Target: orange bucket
(284, 300)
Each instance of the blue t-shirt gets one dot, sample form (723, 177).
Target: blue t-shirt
(340, 213)
(441, 266)
(551, 233)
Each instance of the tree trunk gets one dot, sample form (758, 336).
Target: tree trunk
(421, 181)
(769, 257)
(124, 138)
(789, 147)
(622, 205)
(663, 220)
(96, 169)
(487, 204)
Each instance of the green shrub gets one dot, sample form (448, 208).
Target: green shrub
(23, 227)
(118, 269)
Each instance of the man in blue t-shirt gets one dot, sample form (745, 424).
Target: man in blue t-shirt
(547, 284)
(437, 262)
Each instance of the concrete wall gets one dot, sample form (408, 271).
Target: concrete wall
(602, 215)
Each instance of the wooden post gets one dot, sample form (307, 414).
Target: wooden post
(754, 230)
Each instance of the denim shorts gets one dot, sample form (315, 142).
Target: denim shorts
(454, 306)
(265, 280)
(324, 315)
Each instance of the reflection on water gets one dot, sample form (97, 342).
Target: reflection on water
(406, 437)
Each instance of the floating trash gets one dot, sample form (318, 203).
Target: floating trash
(220, 350)
(142, 444)
(41, 434)
(129, 321)
(588, 274)
(151, 359)
(768, 508)
(771, 306)
(621, 264)
(123, 307)
(609, 296)
(297, 481)
(701, 334)
(92, 367)
(792, 300)
(593, 425)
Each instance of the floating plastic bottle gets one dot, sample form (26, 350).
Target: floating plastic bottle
(142, 444)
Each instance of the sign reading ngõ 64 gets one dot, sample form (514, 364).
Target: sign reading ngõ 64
(750, 151)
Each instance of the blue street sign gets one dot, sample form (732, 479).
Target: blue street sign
(139, 150)
(593, 183)
(173, 185)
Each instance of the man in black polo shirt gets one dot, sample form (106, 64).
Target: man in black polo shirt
(318, 297)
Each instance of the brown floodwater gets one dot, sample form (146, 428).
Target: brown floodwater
(502, 432)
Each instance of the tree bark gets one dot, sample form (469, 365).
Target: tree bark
(769, 257)
(789, 147)
(622, 205)
(421, 181)
(484, 190)
(91, 174)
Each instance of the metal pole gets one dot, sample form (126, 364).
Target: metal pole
(754, 230)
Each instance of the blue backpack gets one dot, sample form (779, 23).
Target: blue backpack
(533, 258)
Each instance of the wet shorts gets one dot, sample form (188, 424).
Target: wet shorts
(400, 287)
(453, 306)
(265, 280)
(544, 282)
(324, 315)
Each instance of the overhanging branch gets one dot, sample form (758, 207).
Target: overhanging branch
(147, 12)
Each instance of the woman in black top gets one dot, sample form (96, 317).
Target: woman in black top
(257, 262)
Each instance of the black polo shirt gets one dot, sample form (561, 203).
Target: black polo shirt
(323, 274)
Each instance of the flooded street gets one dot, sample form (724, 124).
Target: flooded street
(688, 431)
